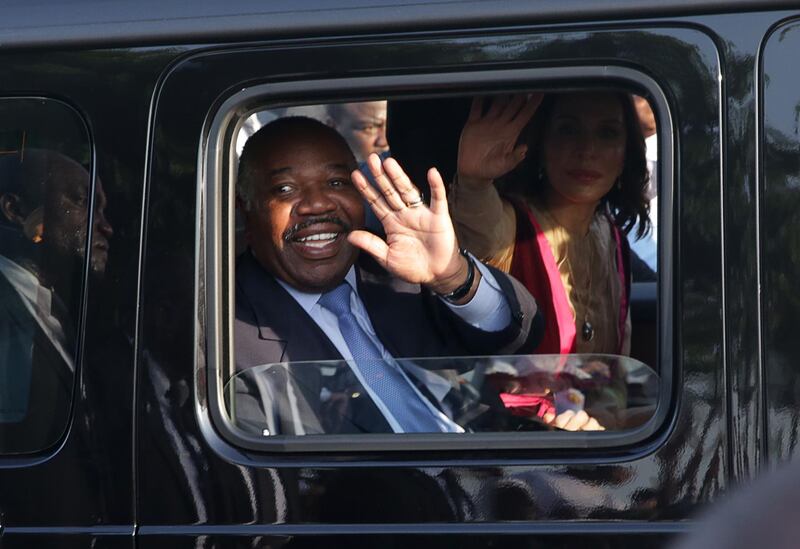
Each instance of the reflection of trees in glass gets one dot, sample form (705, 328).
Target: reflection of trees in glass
(781, 259)
(43, 124)
(780, 238)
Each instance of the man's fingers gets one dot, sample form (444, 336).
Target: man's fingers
(373, 245)
(438, 192)
(387, 188)
(375, 200)
(409, 193)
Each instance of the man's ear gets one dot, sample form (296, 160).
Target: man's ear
(10, 207)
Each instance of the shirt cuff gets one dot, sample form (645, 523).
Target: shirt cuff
(488, 309)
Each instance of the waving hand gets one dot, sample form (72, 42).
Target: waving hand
(488, 147)
(420, 245)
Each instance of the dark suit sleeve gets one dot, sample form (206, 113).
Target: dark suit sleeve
(521, 336)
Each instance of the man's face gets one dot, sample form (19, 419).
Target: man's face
(305, 204)
(363, 125)
(66, 215)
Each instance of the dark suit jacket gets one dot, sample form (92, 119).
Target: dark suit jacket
(271, 327)
(37, 382)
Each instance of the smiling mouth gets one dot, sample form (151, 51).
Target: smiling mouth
(319, 240)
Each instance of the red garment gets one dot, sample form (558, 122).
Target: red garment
(528, 405)
(533, 264)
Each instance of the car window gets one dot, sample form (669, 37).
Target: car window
(44, 212)
(468, 394)
(308, 363)
(779, 237)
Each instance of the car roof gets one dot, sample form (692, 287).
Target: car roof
(96, 23)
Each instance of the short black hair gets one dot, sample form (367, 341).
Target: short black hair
(280, 129)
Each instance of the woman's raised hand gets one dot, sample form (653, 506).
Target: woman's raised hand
(488, 147)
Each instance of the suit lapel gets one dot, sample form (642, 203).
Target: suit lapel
(280, 318)
(283, 322)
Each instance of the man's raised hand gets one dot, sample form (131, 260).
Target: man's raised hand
(420, 245)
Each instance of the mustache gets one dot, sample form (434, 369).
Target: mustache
(289, 233)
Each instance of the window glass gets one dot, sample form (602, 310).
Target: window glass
(44, 195)
(552, 198)
(780, 238)
(474, 394)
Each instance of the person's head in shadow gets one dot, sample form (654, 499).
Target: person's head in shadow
(424, 133)
(44, 218)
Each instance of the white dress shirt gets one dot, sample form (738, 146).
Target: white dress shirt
(487, 310)
(38, 301)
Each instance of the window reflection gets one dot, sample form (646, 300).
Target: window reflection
(44, 212)
(475, 394)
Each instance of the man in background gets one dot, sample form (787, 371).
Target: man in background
(44, 223)
(363, 126)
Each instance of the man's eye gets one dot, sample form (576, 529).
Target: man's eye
(338, 182)
(283, 189)
(610, 133)
(80, 200)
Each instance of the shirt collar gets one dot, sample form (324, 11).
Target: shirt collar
(26, 283)
(308, 300)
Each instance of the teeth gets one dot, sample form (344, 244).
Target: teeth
(319, 236)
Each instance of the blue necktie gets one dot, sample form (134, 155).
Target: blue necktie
(384, 379)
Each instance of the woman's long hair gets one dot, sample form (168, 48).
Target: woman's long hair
(627, 202)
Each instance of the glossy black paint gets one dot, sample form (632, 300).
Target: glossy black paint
(86, 481)
(139, 456)
(662, 480)
(779, 232)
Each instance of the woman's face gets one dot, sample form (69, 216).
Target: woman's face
(584, 147)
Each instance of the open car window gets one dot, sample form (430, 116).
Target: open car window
(601, 292)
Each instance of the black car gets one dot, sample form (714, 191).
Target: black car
(119, 398)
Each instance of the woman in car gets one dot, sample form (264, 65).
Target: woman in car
(547, 188)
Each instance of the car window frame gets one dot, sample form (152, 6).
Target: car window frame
(215, 225)
(40, 455)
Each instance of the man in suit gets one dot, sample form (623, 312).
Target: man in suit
(314, 286)
(44, 220)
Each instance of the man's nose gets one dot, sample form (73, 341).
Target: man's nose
(101, 224)
(380, 139)
(315, 200)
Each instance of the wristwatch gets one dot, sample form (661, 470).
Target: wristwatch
(464, 289)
